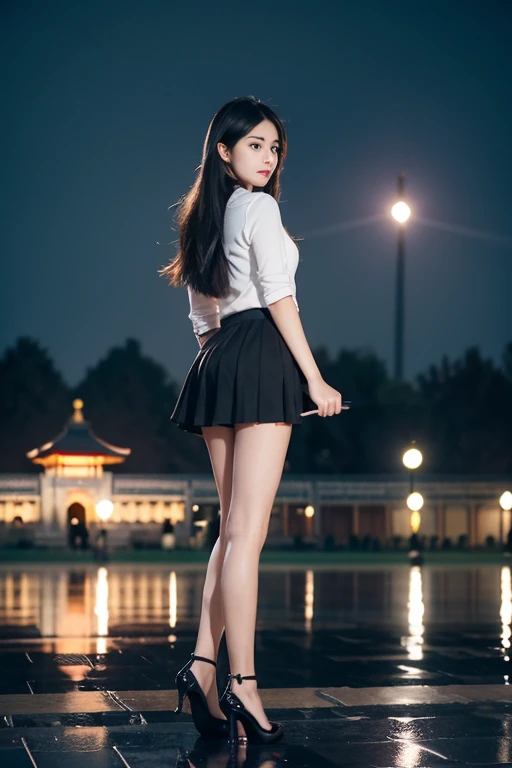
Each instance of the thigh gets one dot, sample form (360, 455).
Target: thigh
(258, 460)
(220, 442)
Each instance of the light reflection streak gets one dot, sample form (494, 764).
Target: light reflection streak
(101, 609)
(309, 599)
(173, 600)
(506, 614)
(416, 607)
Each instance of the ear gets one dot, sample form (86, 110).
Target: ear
(223, 152)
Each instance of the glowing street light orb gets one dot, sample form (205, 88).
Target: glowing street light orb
(412, 458)
(415, 501)
(309, 511)
(400, 212)
(506, 501)
(104, 509)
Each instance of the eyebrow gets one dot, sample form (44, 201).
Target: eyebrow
(262, 139)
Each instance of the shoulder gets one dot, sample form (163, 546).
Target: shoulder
(262, 205)
(263, 199)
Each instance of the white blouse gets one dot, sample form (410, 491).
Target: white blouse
(262, 257)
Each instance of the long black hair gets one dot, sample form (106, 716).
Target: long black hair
(201, 261)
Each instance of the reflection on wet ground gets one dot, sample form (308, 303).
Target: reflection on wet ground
(374, 667)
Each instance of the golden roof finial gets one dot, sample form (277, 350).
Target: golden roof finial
(78, 416)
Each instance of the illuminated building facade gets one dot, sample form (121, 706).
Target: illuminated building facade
(310, 506)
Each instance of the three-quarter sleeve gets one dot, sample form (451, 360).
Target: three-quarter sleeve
(265, 235)
(204, 311)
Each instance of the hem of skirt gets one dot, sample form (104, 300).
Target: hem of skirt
(195, 429)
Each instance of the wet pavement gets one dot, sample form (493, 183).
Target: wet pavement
(384, 666)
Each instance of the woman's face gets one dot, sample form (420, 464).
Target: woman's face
(252, 154)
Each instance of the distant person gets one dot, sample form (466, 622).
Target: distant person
(83, 533)
(168, 537)
(78, 534)
(73, 533)
(508, 545)
(101, 546)
(415, 556)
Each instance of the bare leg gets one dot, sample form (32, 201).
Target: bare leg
(258, 460)
(220, 443)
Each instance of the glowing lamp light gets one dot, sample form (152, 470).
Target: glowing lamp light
(104, 509)
(400, 212)
(415, 521)
(506, 501)
(412, 458)
(415, 501)
(309, 511)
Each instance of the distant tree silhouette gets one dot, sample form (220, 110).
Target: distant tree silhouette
(459, 412)
(128, 399)
(469, 414)
(35, 403)
(369, 437)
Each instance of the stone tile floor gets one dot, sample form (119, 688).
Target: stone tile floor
(394, 678)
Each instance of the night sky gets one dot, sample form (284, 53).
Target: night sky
(107, 109)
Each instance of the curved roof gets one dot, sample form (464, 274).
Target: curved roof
(78, 439)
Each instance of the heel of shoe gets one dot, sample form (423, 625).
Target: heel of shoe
(183, 689)
(181, 698)
(233, 708)
(233, 730)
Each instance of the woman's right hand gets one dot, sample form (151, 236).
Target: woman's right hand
(328, 399)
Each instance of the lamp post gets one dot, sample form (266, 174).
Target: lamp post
(506, 506)
(412, 459)
(309, 511)
(401, 213)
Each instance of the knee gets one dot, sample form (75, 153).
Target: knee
(243, 536)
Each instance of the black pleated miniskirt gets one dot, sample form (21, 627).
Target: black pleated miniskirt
(244, 373)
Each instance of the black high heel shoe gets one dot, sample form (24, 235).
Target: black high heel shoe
(234, 710)
(186, 682)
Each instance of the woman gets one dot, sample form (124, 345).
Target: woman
(251, 379)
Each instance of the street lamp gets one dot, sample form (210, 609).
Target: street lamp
(104, 509)
(506, 506)
(412, 459)
(401, 213)
(309, 511)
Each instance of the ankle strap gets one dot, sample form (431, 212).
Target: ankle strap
(239, 677)
(203, 658)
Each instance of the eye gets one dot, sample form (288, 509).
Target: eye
(256, 144)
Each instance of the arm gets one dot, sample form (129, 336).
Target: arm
(286, 317)
(265, 234)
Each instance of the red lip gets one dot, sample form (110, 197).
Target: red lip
(267, 173)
